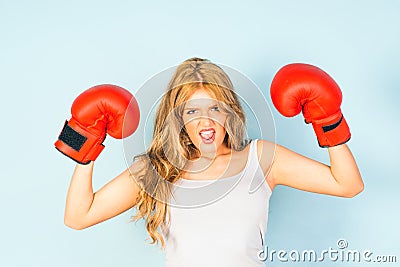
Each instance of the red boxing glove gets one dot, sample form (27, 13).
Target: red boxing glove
(99, 110)
(302, 87)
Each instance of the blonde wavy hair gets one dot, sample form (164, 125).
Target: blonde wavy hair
(170, 149)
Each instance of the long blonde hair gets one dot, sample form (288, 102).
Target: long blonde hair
(170, 149)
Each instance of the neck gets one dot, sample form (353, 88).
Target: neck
(212, 155)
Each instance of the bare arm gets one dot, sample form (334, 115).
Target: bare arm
(85, 208)
(341, 178)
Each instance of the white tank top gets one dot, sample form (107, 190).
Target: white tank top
(219, 222)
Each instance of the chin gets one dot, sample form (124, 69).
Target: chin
(210, 147)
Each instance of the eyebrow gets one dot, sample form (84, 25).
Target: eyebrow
(194, 107)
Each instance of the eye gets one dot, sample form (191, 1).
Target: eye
(190, 111)
(215, 108)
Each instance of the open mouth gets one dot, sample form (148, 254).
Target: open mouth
(207, 135)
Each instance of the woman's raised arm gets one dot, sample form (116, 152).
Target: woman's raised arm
(85, 208)
(341, 178)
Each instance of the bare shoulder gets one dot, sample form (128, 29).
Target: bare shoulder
(138, 167)
(137, 171)
(266, 153)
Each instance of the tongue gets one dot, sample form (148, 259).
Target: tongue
(207, 137)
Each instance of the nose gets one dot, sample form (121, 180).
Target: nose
(205, 119)
(205, 122)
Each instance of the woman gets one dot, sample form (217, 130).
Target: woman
(192, 184)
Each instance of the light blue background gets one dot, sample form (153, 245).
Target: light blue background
(52, 50)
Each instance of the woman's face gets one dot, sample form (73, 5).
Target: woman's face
(204, 121)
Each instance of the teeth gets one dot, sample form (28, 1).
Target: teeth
(207, 134)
